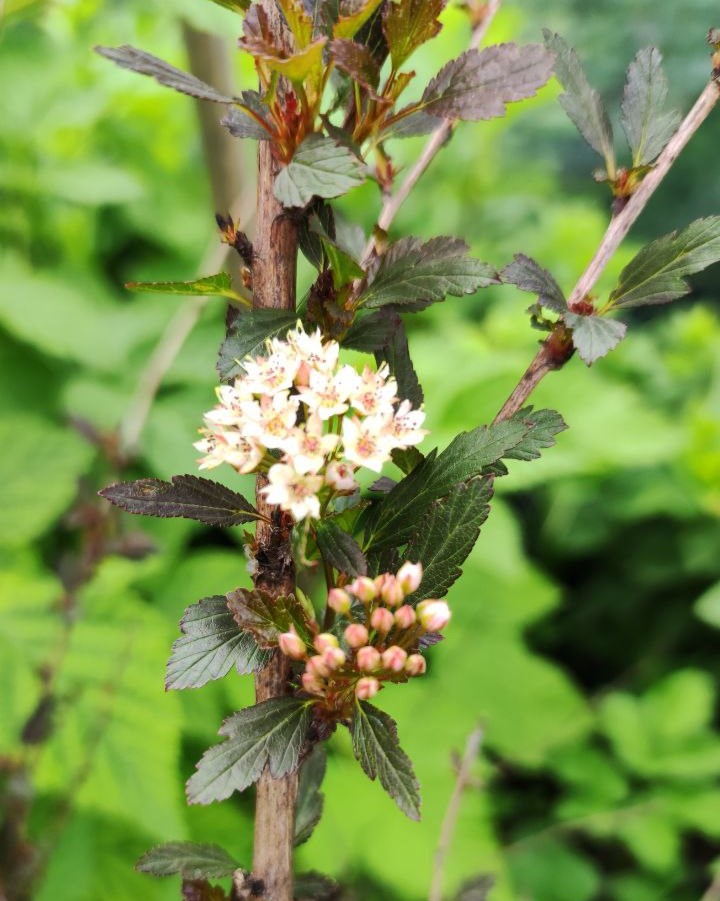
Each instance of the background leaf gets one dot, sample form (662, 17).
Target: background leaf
(192, 860)
(218, 285)
(310, 799)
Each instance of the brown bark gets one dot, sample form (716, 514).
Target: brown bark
(274, 274)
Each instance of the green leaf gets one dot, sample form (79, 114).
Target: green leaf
(594, 336)
(408, 24)
(247, 336)
(315, 887)
(271, 734)
(189, 497)
(396, 353)
(218, 285)
(310, 799)
(370, 332)
(648, 127)
(357, 61)
(657, 273)
(265, 616)
(40, 469)
(580, 101)
(340, 549)
(191, 860)
(411, 271)
(353, 15)
(375, 744)
(406, 458)
(542, 426)
(210, 646)
(480, 83)
(167, 75)
(529, 276)
(445, 536)
(319, 168)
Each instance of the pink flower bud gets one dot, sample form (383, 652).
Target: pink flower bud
(356, 635)
(415, 665)
(303, 374)
(316, 666)
(409, 576)
(292, 645)
(391, 591)
(433, 615)
(368, 659)
(311, 684)
(340, 476)
(367, 687)
(381, 620)
(405, 616)
(339, 601)
(364, 589)
(325, 640)
(333, 658)
(394, 659)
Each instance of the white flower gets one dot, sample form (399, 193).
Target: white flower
(272, 420)
(293, 491)
(319, 355)
(231, 447)
(365, 442)
(374, 392)
(340, 476)
(404, 428)
(327, 394)
(308, 448)
(266, 375)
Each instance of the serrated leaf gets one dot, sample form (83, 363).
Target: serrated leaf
(406, 458)
(339, 549)
(396, 353)
(529, 276)
(259, 39)
(247, 336)
(265, 616)
(594, 336)
(240, 121)
(271, 734)
(542, 426)
(581, 102)
(375, 744)
(357, 61)
(319, 168)
(480, 83)
(189, 497)
(412, 271)
(408, 24)
(210, 646)
(310, 799)
(218, 285)
(298, 20)
(165, 74)
(647, 126)
(409, 123)
(445, 536)
(657, 273)
(191, 860)
(315, 887)
(370, 332)
(353, 15)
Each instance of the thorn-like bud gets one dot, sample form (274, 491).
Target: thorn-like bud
(405, 617)
(292, 645)
(368, 659)
(381, 620)
(364, 589)
(394, 659)
(415, 665)
(410, 576)
(317, 667)
(333, 658)
(391, 591)
(356, 635)
(339, 601)
(433, 615)
(325, 640)
(367, 687)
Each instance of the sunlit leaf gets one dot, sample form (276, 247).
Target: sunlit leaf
(408, 24)
(218, 285)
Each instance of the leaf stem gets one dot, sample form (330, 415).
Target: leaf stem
(436, 140)
(472, 749)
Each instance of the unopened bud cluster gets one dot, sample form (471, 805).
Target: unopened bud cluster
(378, 643)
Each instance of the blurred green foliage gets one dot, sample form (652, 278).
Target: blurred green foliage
(585, 628)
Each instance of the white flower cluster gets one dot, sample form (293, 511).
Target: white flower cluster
(323, 418)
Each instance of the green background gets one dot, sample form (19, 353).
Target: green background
(584, 636)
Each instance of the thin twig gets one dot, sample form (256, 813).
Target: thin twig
(472, 749)
(436, 140)
(546, 360)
